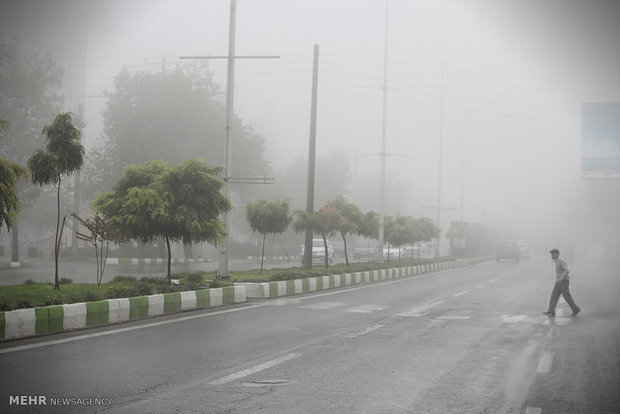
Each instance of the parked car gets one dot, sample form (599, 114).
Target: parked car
(524, 250)
(318, 251)
(507, 250)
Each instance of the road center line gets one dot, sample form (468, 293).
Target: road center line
(253, 370)
(532, 410)
(544, 362)
(460, 293)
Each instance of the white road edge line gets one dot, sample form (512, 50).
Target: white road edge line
(532, 410)
(250, 371)
(544, 362)
(127, 329)
(460, 293)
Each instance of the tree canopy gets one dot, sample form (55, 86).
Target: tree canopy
(10, 173)
(63, 154)
(180, 202)
(268, 217)
(171, 115)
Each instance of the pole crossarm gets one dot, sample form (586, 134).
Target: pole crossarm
(249, 180)
(233, 57)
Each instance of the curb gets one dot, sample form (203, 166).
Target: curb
(159, 260)
(23, 323)
(297, 286)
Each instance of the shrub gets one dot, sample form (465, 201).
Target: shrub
(90, 296)
(144, 288)
(65, 281)
(166, 289)
(124, 279)
(23, 304)
(122, 290)
(53, 300)
(194, 279)
(30, 282)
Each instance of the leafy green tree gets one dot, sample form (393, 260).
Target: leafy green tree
(352, 220)
(28, 99)
(175, 202)
(171, 115)
(398, 231)
(10, 173)
(325, 222)
(64, 154)
(428, 228)
(265, 217)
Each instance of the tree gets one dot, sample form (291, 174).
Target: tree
(266, 217)
(352, 220)
(428, 228)
(102, 232)
(171, 115)
(28, 99)
(10, 173)
(176, 202)
(64, 154)
(325, 222)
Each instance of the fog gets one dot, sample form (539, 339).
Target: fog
(513, 75)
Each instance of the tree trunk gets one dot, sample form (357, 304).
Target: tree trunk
(325, 253)
(262, 255)
(56, 241)
(169, 260)
(15, 243)
(346, 256)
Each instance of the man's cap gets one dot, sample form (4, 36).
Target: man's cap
(554, 251)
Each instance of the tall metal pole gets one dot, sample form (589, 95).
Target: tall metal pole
(440, 157)
(223, 272)
(311, 158)
(383, 140)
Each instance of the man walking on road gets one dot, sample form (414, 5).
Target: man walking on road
(562, 276)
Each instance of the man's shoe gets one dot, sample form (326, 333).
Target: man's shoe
(549, 313)
(576, 313)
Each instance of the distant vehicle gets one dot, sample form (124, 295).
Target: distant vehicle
(507, 250)
(318, 251)
(524, 250)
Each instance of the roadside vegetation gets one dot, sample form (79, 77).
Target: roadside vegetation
(31, 294)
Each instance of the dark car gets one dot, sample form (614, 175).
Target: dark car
(507, 250)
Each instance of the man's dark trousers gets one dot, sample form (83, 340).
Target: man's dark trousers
(562, 289)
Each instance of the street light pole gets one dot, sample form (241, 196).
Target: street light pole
(383, 140)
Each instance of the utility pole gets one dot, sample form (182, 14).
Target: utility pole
(223, 272)
(311, 159)
(383, 140)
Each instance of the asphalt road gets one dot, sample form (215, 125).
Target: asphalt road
(470, 340)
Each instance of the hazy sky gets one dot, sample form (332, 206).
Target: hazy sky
(515, 74)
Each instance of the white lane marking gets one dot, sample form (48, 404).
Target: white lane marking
(544, 362)
(254, 370)
(465, 292)
(456, 315)
(512, 319)
(322, 305)
(128, 329)
(492, 280)
(366, 308)
(365, 331)
(532, 410)
(480, 286)
(418, 310)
